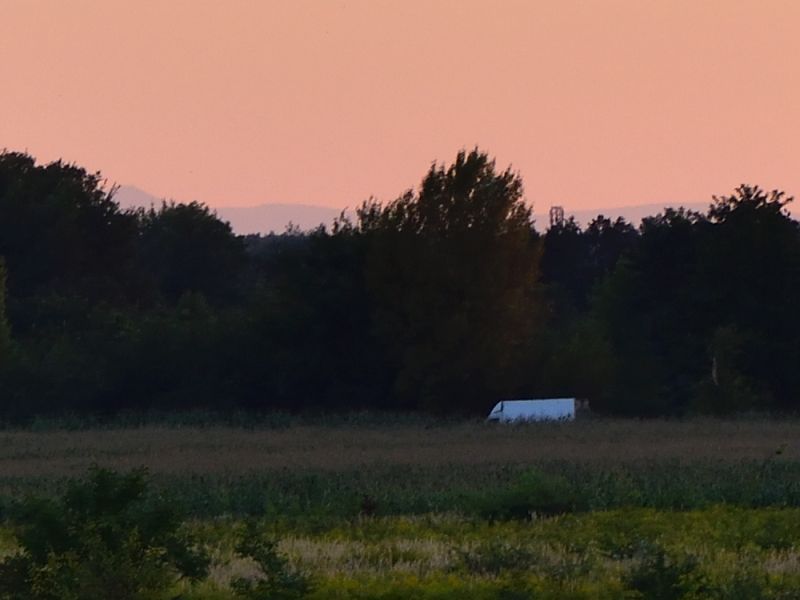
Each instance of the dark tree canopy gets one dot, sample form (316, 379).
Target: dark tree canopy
(445, 299)
(701, 315)
(186, 248)
(61, 230)
(452, 270)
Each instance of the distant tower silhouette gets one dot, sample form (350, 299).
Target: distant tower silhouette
(556, 216)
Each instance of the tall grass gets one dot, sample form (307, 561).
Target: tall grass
(214, 449)
(397, 509)
(343, 469)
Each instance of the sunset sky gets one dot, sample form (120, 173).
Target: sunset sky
(242, 102)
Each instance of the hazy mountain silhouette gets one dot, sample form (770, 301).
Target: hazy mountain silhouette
(128, 196)
(264, 218)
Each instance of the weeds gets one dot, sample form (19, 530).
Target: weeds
(373, 511)
(659, 576)
(276, 580)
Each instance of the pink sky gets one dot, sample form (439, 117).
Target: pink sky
(237, 102)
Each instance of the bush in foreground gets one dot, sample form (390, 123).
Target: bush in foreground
(105, 538)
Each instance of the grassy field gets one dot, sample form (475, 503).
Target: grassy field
(213, 450)
(426, 509)
(720, 552)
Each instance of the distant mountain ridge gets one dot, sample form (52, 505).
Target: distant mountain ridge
(266, 218)
(262, 218)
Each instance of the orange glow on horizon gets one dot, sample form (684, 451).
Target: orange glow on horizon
(241, 102)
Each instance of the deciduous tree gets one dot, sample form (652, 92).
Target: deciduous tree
(453, 269)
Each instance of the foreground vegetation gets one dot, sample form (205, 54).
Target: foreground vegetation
(717, 552)
(415, 466)
(422, 509)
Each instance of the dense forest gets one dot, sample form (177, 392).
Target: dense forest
(443, 300)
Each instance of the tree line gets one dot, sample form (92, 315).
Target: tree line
(445, 300)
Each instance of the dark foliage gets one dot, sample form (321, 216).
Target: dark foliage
(105, 538)
(185, 248)
(660, 576)
(533, 494)
(452, 274)
(445, 299)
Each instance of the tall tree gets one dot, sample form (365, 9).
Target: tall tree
(566, 267)
(186, 248)
(452, 269)
(608, 241)
(702, 315)
(574, 261)
(750, 264)
(61, 231)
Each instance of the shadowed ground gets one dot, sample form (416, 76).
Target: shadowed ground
(228, 450)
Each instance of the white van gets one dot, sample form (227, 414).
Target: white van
(549, 409)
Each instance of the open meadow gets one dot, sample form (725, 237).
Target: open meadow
(370, 508)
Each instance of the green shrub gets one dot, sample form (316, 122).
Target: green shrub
(105, 538)
(533, 493)
(277, 580)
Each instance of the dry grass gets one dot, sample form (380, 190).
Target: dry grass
(227, 450)
(408, 549)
